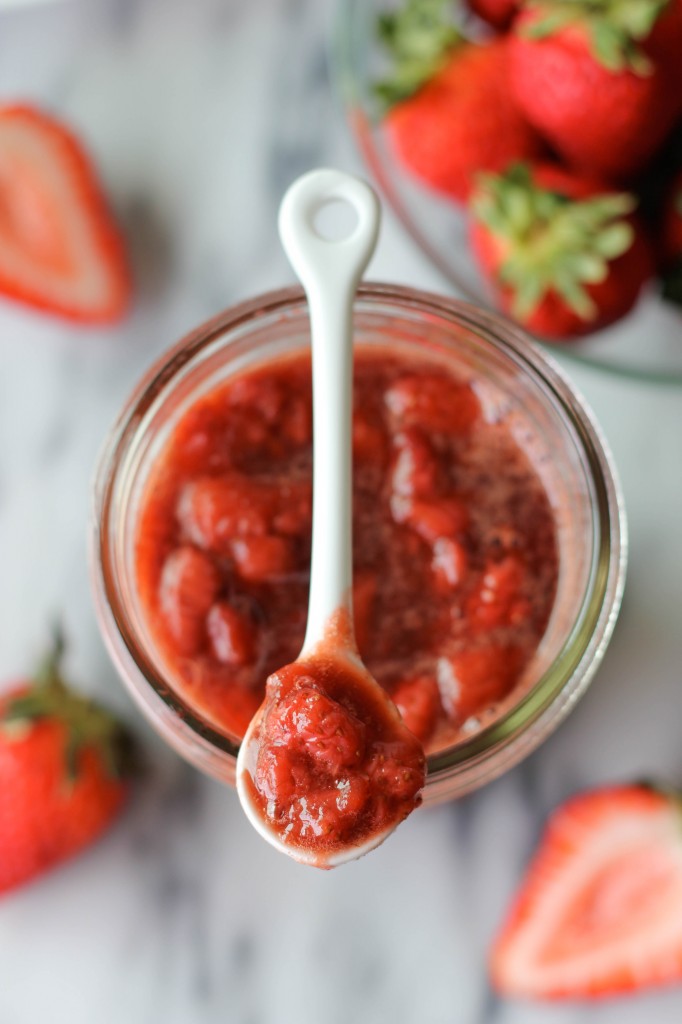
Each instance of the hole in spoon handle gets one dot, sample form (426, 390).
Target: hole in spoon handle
(329, 270)
(323, 263)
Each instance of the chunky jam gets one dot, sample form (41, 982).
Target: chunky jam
(454, 544)
(336, 767)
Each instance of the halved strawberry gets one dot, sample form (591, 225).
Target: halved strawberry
(600, 911)
(60, 249)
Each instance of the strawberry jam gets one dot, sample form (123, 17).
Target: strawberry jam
(335, 765)
(455, 553)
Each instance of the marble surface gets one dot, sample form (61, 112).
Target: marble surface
(200, 112)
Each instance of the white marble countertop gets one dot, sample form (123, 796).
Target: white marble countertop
(200, 113)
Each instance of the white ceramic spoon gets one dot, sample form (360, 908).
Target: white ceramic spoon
(329, 272)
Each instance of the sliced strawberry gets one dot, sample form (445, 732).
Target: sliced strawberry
(418, 701)
(232, 634)
(60, 249)
(497, 599)
(214, 509)
(260, 559)
(447, 517)
(189, 585)
(472, 680)
(600, 910)
(450, 562)
(415, 466)
(436, 403)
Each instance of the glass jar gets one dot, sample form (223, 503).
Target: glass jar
(513, 379)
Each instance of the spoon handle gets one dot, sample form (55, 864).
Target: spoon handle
(329, 271)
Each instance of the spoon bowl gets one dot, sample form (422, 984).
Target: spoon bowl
(246, 772)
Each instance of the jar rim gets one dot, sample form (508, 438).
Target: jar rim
(568, 675)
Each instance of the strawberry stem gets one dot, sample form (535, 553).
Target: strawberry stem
(86, 724)
(49, 669)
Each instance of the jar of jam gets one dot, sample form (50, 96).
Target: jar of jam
(489, 540)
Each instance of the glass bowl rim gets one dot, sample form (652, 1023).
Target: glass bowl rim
(347, 89)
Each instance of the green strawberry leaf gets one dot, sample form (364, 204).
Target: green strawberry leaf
(86, 724)
(614, 240)
(614, 28)
(551, 242)
(418, 38)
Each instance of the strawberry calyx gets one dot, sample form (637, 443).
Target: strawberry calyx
(549, 241)
(614, 28)
(419, 39)
(86, 724)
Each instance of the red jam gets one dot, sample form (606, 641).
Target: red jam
(335, 764)
(454, 544)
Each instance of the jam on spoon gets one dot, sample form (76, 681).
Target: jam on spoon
(327, 770)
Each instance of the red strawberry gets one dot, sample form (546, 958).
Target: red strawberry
(498, 13)
(600, 910)
(59, 247)
(564, 255)
(451, 112)
(62, 763)
(671, 242)
(601, 80)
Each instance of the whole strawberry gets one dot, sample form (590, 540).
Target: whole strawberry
(671, 242)
(450, 110)
(60, 249)
(601, 80)
(563, 255)
(63, 765)
(600, 910)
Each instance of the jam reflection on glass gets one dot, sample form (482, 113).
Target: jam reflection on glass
(455, 554)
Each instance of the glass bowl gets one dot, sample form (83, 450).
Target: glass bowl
(514, 382)
(645, 345)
